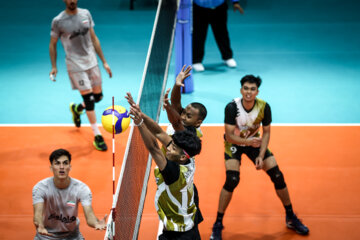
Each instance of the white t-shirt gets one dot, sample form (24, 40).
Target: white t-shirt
(61, 205)
(74, 33)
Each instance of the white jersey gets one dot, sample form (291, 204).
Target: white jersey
(61, 205)
(74, 33)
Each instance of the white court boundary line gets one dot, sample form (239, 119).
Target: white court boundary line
(203, 125)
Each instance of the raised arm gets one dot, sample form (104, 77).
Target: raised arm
(151, 125)
(92, 220)
(99, 51)
(148, 137)
(176, 91)
(53, 55)
(38, 219)
(173, 115)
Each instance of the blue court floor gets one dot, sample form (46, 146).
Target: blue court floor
(307, 53)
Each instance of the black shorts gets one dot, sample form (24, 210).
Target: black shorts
(233, 151)
(198, 216)
(192, 234)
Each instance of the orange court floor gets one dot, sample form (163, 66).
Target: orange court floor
(320, 164)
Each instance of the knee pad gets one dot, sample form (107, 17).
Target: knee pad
(98, 97)
(232, 180)
(276, 177)
(89, 101)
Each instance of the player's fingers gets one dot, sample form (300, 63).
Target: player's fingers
(188, 69)
(46, 234)
(133, 110)
(167, 93)
(129, 98)
(137, 107)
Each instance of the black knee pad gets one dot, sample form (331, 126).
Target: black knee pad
(276, 177)
(98, 97)
(89, 101)
(232, 180)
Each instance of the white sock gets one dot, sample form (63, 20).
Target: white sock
(95, 129)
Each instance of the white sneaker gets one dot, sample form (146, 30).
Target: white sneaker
(198, 67)
(231, 63)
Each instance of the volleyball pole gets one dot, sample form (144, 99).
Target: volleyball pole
(183, 42)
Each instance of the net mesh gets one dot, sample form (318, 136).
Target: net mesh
(135, 171)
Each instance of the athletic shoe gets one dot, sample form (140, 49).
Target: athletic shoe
(99, 143)
(231, 63)
(198, 67)
(295, 224)
(216, 231)
(75, 115)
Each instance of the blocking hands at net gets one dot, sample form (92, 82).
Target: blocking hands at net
(213, 13)
(56, 200)
(174, 171)
(75, 28)
(243, 118)
(192, 115)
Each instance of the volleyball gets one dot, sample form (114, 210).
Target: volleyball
(121, 119)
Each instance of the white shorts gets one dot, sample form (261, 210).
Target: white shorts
(74, 236)
(85, 80)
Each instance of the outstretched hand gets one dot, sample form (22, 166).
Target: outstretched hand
(183, 74)
(166, 102)
(101, 224)
(135, 111)
(130, 99)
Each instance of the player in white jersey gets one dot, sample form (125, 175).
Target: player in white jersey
(56, 200)
(75, 28)
(243, 118)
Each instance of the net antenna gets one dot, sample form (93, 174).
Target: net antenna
(135, 170)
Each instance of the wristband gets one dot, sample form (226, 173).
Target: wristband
(141, 122)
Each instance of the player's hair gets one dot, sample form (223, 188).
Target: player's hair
(191, 129)
(188, 141)
(201, 108)
(251, 79)
(58, 153)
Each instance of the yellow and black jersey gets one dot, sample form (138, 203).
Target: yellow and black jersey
(174, 199)
(247, 122)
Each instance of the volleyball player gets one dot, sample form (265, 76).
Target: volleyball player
(243, 118)
(174, 199)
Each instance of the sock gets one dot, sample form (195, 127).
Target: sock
(95, 129)
(219, 217)
(289, 211)
(79, 108)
